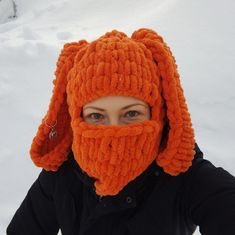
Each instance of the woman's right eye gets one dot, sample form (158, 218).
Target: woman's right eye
(95, 116)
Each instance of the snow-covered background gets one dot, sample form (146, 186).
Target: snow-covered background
(200, 33)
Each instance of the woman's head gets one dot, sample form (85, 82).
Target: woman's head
(116, 110)
(114, 66)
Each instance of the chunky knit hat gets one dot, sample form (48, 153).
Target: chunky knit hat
(141, 66)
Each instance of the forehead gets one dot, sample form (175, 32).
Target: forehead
(107, 101)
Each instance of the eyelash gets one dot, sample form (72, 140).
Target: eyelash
(90, 116)
(136, 112)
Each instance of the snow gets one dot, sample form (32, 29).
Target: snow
(7, 10)
(200, 33)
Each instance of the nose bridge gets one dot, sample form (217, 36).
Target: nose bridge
(114, 120)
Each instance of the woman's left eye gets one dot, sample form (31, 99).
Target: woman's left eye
(132, 113)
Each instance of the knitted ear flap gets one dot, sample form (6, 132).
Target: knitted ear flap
(53, 140)
(178, 153)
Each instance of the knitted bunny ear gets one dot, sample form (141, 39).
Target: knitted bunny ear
(53, 140)
(178, 152)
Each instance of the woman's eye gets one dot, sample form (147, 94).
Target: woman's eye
(95, 116)
(132, 113)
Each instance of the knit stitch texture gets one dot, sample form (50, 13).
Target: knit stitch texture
(141, 66)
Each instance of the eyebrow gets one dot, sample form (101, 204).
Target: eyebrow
(126, 107)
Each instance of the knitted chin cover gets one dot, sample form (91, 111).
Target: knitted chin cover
(141, 66)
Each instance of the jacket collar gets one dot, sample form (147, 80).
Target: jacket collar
(128, 193)
(127, 197)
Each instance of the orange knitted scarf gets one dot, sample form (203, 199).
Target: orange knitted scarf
(141, 66)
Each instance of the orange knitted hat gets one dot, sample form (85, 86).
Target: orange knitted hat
(141, 66)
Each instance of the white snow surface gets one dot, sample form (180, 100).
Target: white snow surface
(200, 33)
(6, 10)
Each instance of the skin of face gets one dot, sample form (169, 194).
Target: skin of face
(116, 110)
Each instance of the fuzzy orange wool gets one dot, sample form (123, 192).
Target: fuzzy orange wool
(141, 66)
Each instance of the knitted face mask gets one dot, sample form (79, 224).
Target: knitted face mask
(115, 155)
(141, 66)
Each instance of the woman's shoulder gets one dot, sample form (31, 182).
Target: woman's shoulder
(62, 179)
(209, 193)
(206, 184)
(204, 170)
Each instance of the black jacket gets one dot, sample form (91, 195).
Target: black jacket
(155, 203)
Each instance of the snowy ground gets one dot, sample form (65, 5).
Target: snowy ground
(200, 33)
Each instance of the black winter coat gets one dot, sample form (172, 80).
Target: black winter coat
(155, 203)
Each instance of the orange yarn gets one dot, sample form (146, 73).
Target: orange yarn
(141, 66)
(46, 153)
(115, 155)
